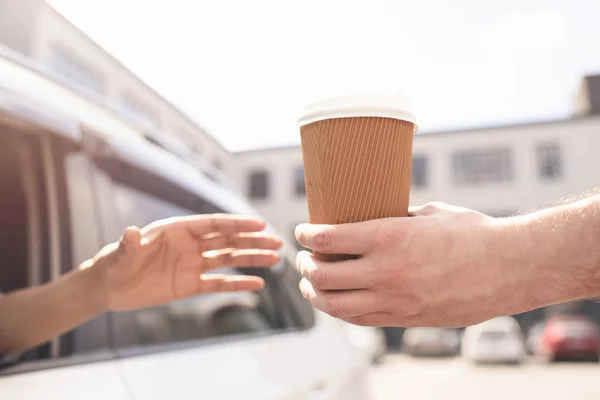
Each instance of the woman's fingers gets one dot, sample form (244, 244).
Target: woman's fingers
(239, 258)
(256, 240)
(229, 283)
(200, 225)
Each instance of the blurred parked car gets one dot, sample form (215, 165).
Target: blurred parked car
(570, 338)
(534, 338)
(499, 340)
(369, 340)
(431, 342)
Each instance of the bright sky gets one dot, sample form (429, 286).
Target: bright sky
(244, 69)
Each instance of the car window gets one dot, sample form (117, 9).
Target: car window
(578, 328)
(199, 317)
(495, 334)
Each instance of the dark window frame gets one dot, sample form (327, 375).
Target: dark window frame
(420, 171)
(299, 181)
(549, 161)
(259, 190)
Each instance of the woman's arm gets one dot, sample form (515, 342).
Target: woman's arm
(158, 264)
(33, 316)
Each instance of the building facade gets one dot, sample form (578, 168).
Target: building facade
(37, 31)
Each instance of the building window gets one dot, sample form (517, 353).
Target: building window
(67, 66)
(473, 167)
(549, 161)
(419, 171)
(299, 185)
(259, 184)
(137, 110)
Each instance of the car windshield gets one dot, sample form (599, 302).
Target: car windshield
(496, 334)
(578, 328)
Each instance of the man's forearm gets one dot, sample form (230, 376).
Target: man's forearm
(30, 317)
(563, 251)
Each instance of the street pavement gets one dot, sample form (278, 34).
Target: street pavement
(406, 378)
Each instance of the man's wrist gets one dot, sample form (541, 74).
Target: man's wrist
(561, 251)
(513, 252)
(592, 220)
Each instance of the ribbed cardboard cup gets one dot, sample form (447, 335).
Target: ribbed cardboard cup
(357, 155)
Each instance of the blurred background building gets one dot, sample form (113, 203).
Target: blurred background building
(498, 170)
(37, 31)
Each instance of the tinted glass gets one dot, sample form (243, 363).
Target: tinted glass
(199, 317)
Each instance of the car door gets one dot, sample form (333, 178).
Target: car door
(59, 231)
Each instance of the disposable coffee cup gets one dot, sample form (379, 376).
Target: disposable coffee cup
(357, 155)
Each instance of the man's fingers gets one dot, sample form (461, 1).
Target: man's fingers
(239, 258)
(229, 283)
(340, 304)
(257, 240)
(354, 238)
(372, 319)
(201, 225)
(342, 275)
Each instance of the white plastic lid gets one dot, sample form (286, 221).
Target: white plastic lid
(385, 106)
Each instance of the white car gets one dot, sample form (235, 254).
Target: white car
(368, 340)
(79, 175)
(533, 341)
(423, 342)
(499, 340)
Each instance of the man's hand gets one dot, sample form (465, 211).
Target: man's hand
(449, 266)
(166, 260)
